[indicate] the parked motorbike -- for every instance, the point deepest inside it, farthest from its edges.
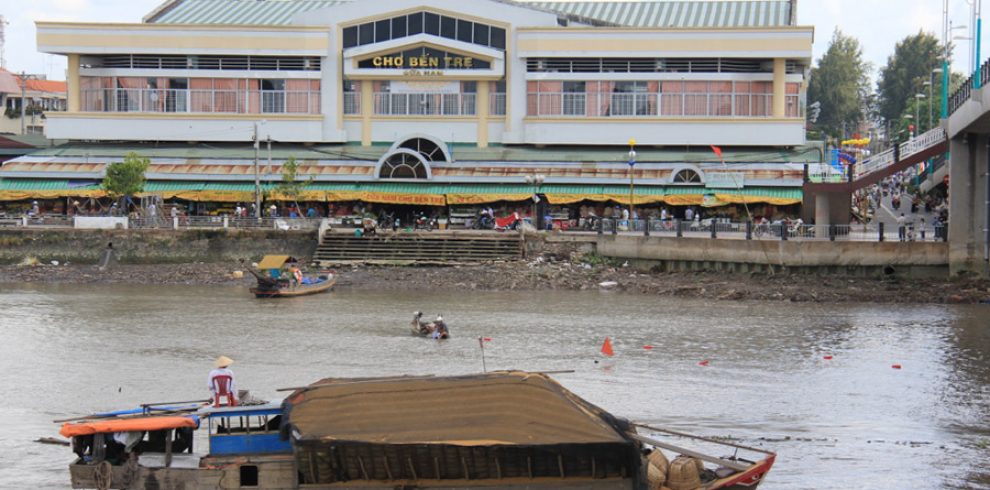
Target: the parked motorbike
(484, 222)
(425, 223)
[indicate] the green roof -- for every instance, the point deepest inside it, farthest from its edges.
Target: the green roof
(809, 153)
(44, 185)
(658, 14)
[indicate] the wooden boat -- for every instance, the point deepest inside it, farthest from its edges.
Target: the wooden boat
(420, 328)
(324, 436)
(275, 282)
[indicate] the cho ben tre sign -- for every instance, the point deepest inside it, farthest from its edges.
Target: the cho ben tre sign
(423, 62)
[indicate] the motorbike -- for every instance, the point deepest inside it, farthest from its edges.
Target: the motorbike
(425, 223)
(484, 222)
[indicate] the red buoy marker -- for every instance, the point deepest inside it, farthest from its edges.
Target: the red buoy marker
(607, 348)
(648, 347)
(487, 339)
(827, 358)
(896, 366)
(704, 363)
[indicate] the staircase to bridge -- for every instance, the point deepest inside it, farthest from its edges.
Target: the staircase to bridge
(435, 247)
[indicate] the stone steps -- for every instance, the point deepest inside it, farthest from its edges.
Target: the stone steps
(425, 247)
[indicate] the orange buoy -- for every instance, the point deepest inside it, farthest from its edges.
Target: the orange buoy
(607, 348)
(896, 366)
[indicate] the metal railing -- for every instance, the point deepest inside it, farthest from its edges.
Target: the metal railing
(880, 161)
(719, 228)
(590, 104)
(425, 104)
(201, 101)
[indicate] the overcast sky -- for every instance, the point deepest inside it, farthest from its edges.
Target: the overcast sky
(878, 24)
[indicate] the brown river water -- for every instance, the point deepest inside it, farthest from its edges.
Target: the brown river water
(849, 422)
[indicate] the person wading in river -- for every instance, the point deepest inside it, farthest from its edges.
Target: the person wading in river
(221, 381)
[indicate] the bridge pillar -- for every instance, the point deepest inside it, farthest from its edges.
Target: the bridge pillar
(967, 204)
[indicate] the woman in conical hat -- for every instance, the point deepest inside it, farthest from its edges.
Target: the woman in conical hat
(222, 362)
(221, 381)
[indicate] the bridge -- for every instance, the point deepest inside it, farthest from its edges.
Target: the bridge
(964, 137)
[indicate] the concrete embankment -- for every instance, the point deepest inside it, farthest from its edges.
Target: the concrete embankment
(152, 246)
(918, 259)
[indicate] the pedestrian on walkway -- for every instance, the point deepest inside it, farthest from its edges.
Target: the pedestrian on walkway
(901, 227)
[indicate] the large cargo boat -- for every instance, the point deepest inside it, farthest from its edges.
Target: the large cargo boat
(510, 430)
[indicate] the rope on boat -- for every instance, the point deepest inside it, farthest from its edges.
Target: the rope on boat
(103, 474)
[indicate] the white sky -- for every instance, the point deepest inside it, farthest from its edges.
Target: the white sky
(878, 24)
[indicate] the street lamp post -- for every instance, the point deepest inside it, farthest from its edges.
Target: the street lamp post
(917, 108)
(632, 163)
(257, 177)
(537, 181)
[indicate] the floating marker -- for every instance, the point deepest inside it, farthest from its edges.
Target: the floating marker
(896, 366)
(648, 347)
(827, 358)
(607, 348)
(704, 363)
(487, 339)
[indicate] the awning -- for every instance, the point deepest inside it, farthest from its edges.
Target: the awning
(416, 193)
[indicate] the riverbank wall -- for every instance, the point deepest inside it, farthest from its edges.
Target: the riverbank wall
(911, 259)
(153, 246)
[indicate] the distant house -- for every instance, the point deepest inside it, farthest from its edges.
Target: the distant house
(41, 95)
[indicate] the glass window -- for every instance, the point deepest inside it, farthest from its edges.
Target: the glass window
(415, 23)
(431, 24)
(383, 31)
(399, 27)
(469, 87)
(481, 34)
(366, 34)
(270, 84)
(350, 36)
(498, 38)
(448, 27)
(465, 31)
(574, 87)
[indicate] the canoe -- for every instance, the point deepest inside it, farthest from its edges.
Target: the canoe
(128, 425)
(290, 292)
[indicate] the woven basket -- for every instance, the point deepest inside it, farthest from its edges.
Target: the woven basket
(658, 459)
(683, 474)
(655, 478)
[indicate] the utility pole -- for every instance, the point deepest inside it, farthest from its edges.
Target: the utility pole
(268, 170)
(23, 99)
(257, 181)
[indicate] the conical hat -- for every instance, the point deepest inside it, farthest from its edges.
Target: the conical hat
(223, 361)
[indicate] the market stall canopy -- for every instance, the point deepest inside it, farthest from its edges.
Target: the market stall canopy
(502, 408)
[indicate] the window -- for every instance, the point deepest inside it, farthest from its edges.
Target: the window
(366, 34)
(574, 99)
(498, 38)
(465, 31)
(383, 31)
(350, 37)
(273, 96)
(481, 34)
(431, 24)
(399, 27)
(448, 27)
(415, 23)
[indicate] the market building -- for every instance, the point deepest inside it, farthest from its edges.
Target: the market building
(439, 103)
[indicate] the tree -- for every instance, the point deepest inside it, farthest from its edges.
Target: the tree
(904, 76)
(291, 187)
(126, 178)
(840, 83)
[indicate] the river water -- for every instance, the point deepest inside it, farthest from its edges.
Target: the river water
(849, 422)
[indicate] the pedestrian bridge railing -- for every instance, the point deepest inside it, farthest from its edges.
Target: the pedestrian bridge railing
(909, 148)
(747, 230)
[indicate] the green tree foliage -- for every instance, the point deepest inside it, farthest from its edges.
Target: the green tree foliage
(925, 106)
(907, 69)
(126, 178)
(291, 187)
(840, 83)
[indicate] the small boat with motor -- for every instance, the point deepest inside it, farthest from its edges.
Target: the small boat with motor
(279, 276)
(510, 430)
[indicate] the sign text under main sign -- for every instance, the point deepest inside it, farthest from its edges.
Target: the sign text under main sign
(445, 62)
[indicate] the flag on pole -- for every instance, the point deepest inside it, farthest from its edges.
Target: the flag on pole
(717, 150)
(607, 348)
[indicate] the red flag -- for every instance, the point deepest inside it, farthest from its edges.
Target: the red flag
(607, 348)
(717, 150)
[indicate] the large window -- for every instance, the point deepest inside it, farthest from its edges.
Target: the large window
(424, 22)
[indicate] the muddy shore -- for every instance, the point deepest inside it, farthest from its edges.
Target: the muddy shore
(540, 276)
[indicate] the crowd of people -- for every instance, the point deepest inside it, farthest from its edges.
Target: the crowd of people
(907, 203)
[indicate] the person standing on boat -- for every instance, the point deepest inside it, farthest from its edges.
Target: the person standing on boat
(226, 376)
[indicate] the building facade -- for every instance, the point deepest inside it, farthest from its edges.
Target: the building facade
(446, 92)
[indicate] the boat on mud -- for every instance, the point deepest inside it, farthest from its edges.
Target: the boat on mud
(508, 429)
(280, 277)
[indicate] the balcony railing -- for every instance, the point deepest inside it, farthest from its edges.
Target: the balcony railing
(425, 104)
(201, 101)
(583, 104)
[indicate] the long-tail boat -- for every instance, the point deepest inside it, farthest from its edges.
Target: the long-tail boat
(509, 429)
(279, 278)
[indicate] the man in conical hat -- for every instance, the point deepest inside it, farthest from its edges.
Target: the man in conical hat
(222, 368)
